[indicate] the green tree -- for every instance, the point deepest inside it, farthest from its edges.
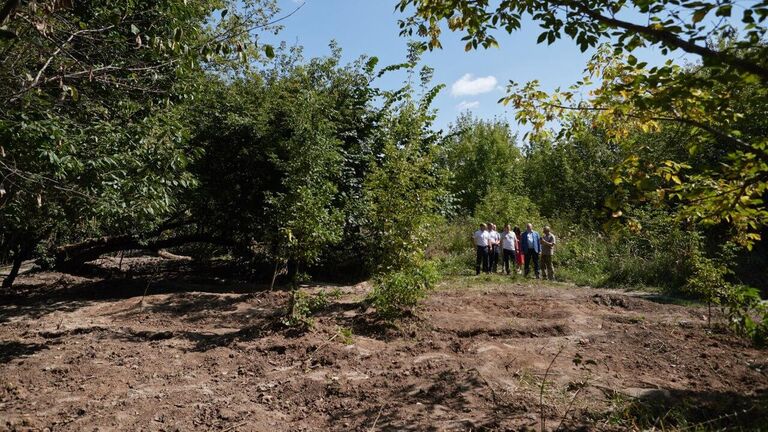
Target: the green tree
(570, 176)
(91, 141)
(481, 156)
(404, 193)
(284, 157)
(630, 95)
(402, 190)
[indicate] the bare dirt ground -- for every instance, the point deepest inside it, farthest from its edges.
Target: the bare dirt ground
(201, 353)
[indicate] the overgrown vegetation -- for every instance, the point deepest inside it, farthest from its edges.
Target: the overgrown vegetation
(163, 124)
(687, 143)
(564, 182)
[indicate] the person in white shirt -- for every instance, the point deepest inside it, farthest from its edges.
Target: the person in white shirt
(495, 249)
(508, 245)
(482, 241)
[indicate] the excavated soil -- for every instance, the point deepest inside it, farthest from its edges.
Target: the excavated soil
(201, 353)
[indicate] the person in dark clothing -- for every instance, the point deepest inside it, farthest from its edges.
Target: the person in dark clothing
(531, 247)
(481, 239)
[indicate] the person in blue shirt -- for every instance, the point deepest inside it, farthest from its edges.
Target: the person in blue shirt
(530, 245)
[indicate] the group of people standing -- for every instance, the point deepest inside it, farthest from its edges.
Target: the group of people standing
(515, 247)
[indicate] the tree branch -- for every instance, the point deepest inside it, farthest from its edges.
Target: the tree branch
(736, 142)
(673, 40)
(74, 255)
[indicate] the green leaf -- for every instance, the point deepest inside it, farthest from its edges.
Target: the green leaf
(700, 14)
(371, 63)
(724, 10)
(269, 51)
(134, 29)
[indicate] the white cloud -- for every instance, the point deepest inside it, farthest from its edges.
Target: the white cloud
(469, 85)
(467, 105)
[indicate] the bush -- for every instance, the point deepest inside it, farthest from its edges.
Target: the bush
(303, 305)
(451, 248)
(457, 264)
(396, 293)
(742, 306)
(658, 255)
(747, 314)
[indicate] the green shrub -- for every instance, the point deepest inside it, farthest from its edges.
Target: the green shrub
(457, 264)
(303, 306)
(742, 306)
(658, 255)
(581, 256)
(395, 293)
(451, 248)
(747, 314)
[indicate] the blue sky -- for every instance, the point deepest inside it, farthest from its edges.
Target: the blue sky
(474, 80)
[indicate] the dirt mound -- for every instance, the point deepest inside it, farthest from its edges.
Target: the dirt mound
(475, 356)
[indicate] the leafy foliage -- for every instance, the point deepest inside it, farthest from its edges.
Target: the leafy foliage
(721, 176)
(288, 129)
(397, 292)
(570, 177)
(480, 157)
(670, 26)
(742, 305)
(402, 192)
(304, 305)
(92, 142)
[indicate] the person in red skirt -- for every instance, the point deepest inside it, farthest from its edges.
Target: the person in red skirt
(520, 258)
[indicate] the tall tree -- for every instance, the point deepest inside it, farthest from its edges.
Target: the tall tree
(479, 156)
(285, 156)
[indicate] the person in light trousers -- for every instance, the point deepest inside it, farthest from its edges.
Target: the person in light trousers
(548, 242)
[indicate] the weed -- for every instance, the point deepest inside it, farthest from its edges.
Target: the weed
(303, 306)
(346, 335)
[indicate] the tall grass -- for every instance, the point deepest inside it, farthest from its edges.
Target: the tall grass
(659, 255)
(656, 256)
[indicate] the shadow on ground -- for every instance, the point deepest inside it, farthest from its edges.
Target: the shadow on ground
(694, 410)
(33, 297)
(10, 350)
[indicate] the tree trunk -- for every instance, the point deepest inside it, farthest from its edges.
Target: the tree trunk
(162, 253)
(72, 256)
(274, 275)
(18, 258)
